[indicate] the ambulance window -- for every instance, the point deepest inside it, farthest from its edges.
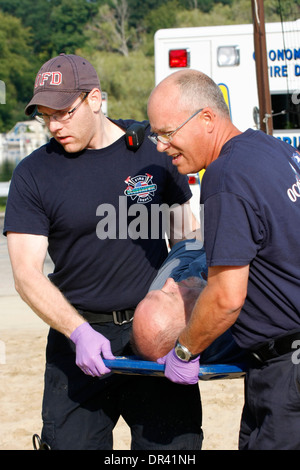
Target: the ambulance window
(286, 111)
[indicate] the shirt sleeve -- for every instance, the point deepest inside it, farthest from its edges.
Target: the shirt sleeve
(24, 210)
(186, 259)
(233, 230)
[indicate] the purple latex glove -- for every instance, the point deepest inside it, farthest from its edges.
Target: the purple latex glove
(179, 371)
(90, 345)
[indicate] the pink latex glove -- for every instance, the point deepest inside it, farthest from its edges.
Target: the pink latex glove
(90, 346)
(179, 371)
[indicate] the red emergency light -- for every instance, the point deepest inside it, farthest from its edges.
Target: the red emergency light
(192, 179)
(179, 58)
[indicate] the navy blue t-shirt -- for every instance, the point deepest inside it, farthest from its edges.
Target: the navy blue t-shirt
(97, 209)
(186, 259)
(251, 197)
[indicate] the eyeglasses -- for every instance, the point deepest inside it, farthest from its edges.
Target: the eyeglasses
(168, 136)
(60, 116)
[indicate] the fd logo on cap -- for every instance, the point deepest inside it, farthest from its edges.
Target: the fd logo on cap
(51, 78)
(140, 187)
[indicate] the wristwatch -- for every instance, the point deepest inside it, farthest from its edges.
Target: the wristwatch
(183, 353)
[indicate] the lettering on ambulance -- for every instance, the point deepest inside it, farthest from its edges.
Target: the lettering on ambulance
(278, 70)
(294, 141)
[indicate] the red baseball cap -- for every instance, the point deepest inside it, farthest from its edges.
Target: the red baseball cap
(61, 80)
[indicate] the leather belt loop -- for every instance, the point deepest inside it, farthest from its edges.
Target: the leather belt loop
(121, 317)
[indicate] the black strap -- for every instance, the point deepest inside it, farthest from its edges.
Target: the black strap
(276, 347)
(118, 317)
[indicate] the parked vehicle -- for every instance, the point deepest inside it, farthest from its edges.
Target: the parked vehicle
(226, 54)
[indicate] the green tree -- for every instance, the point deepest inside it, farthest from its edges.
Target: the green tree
(288, 9)
(128, 80)
(109, 30)
(140, 9)
(16, 69)
(56, 25)
(68, 19)
(238, 12)
(34, 14)
(164, 16)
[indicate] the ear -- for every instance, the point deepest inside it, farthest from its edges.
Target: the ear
(209, 118)
(95, 99)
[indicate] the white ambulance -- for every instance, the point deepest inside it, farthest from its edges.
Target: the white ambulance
(226, 54)
(104, 103)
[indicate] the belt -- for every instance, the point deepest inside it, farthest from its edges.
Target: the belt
(118, 317)
(275, 347)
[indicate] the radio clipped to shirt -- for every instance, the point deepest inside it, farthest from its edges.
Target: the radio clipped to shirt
(135, 134)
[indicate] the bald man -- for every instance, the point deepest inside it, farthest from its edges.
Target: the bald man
(166, 309)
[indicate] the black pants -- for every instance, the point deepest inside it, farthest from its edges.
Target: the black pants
(80, 412)
(271, 416)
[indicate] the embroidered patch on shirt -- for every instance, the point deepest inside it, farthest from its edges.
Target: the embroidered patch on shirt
(140, 187)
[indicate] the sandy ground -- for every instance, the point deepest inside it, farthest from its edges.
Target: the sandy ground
(22, 348)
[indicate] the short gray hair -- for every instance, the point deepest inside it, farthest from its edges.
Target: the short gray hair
(199, 90)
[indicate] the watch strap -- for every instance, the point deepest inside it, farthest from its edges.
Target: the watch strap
(189, 355)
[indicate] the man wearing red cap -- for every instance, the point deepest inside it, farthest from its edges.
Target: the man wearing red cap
(77, 197)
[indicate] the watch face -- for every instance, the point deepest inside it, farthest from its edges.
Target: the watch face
(181, 354)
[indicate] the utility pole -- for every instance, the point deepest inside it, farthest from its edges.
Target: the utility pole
(261, 61)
